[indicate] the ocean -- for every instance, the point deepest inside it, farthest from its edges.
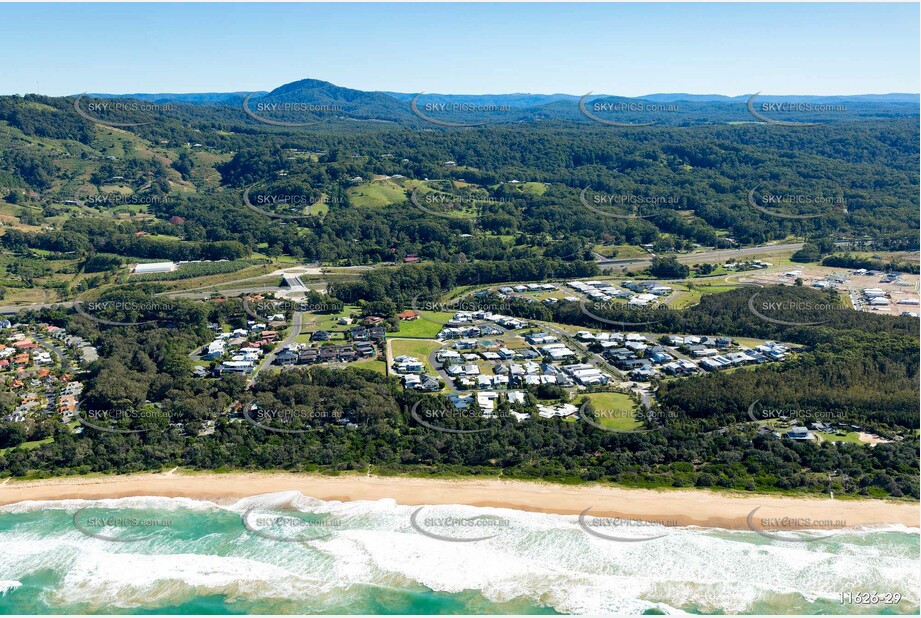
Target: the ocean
(286, 553)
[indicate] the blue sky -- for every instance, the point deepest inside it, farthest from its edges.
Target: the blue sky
(625, 49)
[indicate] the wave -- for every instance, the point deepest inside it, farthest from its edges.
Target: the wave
(134, 502)
(545, 559)
(6, 585)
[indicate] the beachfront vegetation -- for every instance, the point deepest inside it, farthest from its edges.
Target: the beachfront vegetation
(354, 418)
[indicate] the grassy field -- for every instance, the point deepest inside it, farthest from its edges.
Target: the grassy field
(748, 341)
(329, 321)
(830, 437)
(685, 299)
(374, 365)
(28, 446)
(620, 251)
(376, 194)
(420, 349)
(534, 188)
(714, 288)
(422, 328)
(614, 410)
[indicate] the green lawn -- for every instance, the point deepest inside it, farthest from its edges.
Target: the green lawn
(619, 252)
(830, 437)
(534, 188)
(329, 321)
(748, 342)
(419, 349)
(374, 365)
(424, 329)
(614, 410)
(714, 288)
(376, 194)
(28, 445)
(685, 299)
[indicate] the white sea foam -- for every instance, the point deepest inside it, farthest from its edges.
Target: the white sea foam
(8, 584)
(153, 503)
(546, 559)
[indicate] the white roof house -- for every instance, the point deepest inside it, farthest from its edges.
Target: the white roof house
(487, 401)
(563, 409)
(155, 267)
(557, 351)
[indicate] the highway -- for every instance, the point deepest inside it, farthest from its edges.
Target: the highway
(14, 309)
(715, 255)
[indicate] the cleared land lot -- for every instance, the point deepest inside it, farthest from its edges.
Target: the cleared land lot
(418, 348)
(905, 287)
(424, 328)
(614, 411)
(376, 193)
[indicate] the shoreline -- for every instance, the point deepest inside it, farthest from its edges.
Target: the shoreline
(680, 507)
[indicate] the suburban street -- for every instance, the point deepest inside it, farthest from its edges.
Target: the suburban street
(297, 323)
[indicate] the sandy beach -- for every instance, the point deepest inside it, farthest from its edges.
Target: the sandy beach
(678, 507)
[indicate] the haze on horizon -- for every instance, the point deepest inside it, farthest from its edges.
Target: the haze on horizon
(622, 49)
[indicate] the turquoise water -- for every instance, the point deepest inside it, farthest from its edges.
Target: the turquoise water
(286, 553)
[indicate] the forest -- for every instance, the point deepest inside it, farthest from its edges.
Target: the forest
(696, 180)
(858, 366)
